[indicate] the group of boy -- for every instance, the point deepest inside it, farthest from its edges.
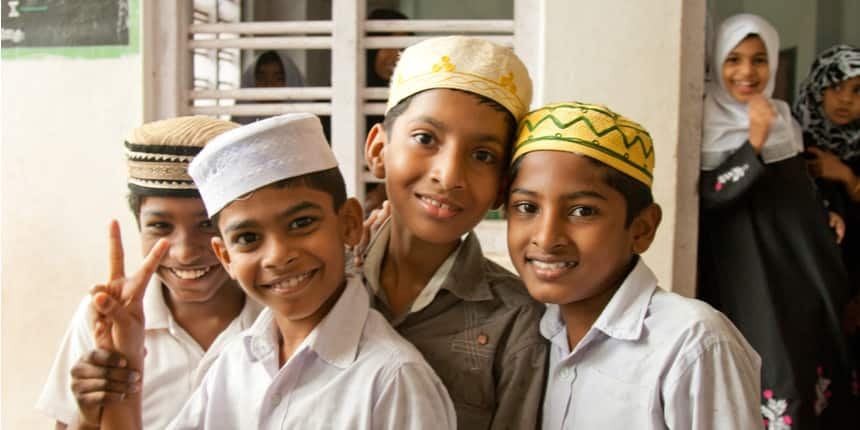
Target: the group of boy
(427, 333)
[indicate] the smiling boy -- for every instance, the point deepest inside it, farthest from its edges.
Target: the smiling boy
(442, 150)
(624, 353)
(318, 356)
(193, 308)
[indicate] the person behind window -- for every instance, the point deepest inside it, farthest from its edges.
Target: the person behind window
(270, 69)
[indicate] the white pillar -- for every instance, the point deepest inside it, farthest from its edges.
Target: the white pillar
(646, 61)
(347, 79)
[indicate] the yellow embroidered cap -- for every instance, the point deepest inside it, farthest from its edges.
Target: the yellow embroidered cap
(591, 130)
(463, 63)
(158, 153)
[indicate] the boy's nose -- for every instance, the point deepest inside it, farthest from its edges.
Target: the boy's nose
(447, 169)
(549, 233)
(278, 254)
(186, 250)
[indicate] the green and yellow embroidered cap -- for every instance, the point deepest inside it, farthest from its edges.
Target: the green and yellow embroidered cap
(463, 63)
(591, 130)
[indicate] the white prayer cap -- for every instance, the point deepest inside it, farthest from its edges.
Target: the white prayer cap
(258, 154)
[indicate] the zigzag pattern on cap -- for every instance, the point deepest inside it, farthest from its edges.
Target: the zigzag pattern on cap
(640, 159)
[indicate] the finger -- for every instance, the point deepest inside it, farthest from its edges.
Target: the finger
(814, 150)
(109, 308)
(84, 370)
(82, 387)
(117, 258)
(150, 264)
(104, 358)
(99, 398)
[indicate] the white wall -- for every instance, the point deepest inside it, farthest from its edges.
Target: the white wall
(63, 178)
(612, 52)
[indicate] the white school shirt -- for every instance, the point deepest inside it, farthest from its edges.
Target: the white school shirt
(652, 360)
(174, 365)
(353, 371)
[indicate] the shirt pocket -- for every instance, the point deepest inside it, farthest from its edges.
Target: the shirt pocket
(603, 400)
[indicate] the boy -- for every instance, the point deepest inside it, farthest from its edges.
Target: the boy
(193, 308)
(624, 353)
(318, 356)
(442, 150)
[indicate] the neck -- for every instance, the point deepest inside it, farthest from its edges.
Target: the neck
(292, 332)
(579, 316)
(204, 321)
(409, 264)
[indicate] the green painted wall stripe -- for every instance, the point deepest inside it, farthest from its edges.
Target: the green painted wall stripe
(85, 52)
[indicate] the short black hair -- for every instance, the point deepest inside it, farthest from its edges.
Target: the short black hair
(511, 122)
(636, 195)
(329, 181)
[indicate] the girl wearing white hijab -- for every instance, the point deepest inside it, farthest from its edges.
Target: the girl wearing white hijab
(767, 258)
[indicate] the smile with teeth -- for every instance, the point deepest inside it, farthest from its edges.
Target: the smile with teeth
(190, 274)
(744, 84)
(289, 284)
(559, 265)
(436, 203)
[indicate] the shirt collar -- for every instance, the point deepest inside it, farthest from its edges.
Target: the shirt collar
(335, 339)
(158, 315)
(623, 317)
(464, 279)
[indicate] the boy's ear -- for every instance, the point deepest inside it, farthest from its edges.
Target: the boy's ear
(644, 227)
(374, 150)
(351, 221)
(222, 254)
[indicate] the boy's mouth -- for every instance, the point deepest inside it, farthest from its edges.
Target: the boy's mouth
(292, 283)
(439, 207)
(191, 274)
(549, 270)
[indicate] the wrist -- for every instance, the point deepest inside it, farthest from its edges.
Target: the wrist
(86, 422)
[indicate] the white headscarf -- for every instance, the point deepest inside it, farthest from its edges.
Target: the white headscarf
(726, 119)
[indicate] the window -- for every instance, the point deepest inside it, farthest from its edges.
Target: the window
(198, 56)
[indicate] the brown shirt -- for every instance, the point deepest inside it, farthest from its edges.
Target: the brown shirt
(481, 336)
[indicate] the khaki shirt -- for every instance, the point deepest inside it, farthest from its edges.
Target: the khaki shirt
(480, 333)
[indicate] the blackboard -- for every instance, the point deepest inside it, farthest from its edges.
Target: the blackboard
(64, 23)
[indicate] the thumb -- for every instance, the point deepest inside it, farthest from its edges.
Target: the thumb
(813, 150)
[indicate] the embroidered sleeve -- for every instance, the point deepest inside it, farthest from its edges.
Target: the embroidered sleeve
(731, 179)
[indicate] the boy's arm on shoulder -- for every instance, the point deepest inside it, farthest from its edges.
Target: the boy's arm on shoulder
(521, 369)
(714, 386)
(414, 398)
(731, 179)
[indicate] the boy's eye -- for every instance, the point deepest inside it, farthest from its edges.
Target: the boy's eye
(525, 207)
(245, 238)
(583, 211)
(207, 225)
(484, 156)
(302, 222)
(422, 138)
(158, 226)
